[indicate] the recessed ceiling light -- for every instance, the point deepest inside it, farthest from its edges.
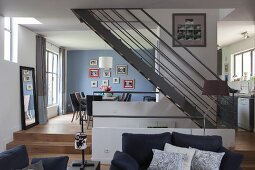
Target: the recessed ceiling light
(26, 21)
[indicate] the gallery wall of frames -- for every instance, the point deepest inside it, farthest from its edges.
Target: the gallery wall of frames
(84, 74)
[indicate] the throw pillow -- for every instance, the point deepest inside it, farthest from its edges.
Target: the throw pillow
(206, 160)
(230, 160)
(123, 161)
(207, 143)
(36, 166)
(166, 160)
(54, 163)
(189, 153)
(139, 146)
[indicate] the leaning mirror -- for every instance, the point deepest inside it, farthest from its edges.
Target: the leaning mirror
(29, 116)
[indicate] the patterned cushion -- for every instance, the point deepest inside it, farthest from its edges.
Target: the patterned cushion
(189, 153)
(206, 160)
(166, 160)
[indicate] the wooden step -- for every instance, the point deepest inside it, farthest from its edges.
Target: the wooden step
(43, 137)
(50, 147)
(248, 165)
(249, 155)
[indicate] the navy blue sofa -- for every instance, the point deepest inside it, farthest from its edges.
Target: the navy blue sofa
(17, 158)
(137, 149)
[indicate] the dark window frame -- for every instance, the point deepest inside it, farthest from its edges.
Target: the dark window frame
(252, 58)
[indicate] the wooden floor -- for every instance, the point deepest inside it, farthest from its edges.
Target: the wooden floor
(56, 138)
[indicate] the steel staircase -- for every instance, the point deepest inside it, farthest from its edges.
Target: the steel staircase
(176, 77)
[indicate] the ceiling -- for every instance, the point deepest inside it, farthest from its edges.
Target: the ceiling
(230, 31)
(61, 27)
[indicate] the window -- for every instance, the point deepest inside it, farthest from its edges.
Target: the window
(8, 38)
(52, 77)
(244, 63)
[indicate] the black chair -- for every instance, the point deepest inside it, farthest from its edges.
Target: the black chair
(129, 97)
(76, 106)
(126, 97)
(89, 100)
(123, 97)
(83, 95)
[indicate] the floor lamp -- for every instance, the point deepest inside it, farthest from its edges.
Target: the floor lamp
(81, 144)
(214, 88)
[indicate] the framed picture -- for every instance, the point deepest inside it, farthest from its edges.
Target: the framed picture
(226, 68)
(29, 87)
(105, 82)
(93, 84)
(27, 78)
(93, 62)
(93, 72)
(189, 29)
(116, 80)
(128, 84)
(107, 73)
(26, 72)
(121, 69)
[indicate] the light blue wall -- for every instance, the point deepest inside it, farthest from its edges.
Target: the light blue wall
(78, 80)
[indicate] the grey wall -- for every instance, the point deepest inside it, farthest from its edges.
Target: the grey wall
(78, 79)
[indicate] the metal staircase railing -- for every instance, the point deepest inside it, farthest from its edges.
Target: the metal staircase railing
(119, 31)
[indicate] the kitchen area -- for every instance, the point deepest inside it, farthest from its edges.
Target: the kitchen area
(241, 99)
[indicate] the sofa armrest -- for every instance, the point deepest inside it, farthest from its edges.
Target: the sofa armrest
(123, 161)
(230, 160)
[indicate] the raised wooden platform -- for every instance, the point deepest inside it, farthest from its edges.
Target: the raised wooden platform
(56, 138)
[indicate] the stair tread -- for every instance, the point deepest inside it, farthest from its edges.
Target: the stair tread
(248, 164)
(88, 132)
(44, 143)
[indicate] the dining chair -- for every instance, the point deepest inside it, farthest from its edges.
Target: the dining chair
(123, 96)
(80, 98)
(89, 100)
(126, 97)
(76, 106)
(129, 97)
(83, 95)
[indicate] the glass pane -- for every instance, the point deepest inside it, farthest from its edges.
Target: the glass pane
(7, 23)
(49, 78)
(253, 62)
(247, 65)
(46, 60)
(54, 84)
(50, 60)
(7, 45)
(238, 65)
(55, 65)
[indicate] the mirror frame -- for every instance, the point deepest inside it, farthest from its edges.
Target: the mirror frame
(23, 116)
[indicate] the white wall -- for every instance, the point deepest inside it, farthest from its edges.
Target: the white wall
(229, 51)
(10, 116)
(105, 141)
(208, 54)
(162, 108)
